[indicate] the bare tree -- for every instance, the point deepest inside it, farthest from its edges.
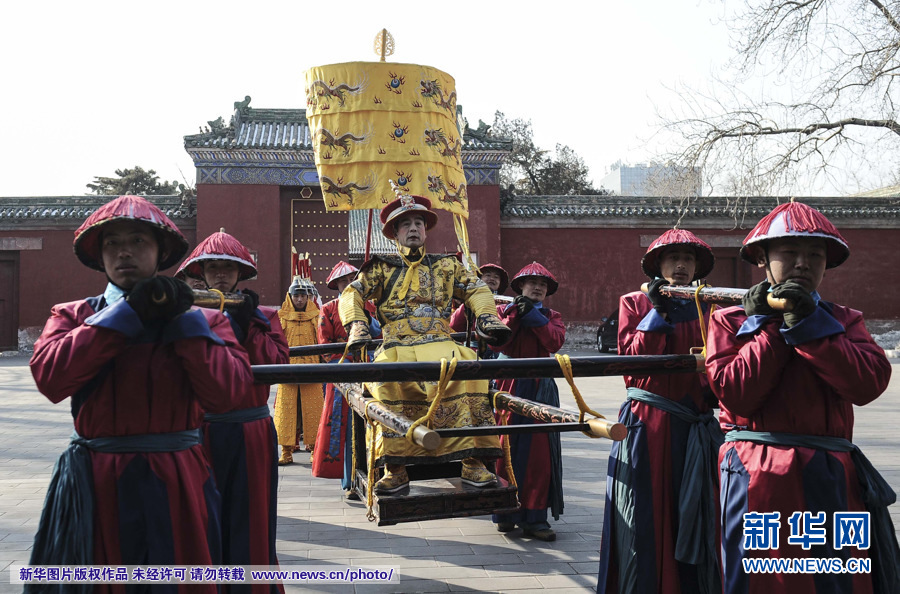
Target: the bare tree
(822, 110)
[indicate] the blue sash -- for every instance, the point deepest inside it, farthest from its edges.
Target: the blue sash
(876, 494)
(244, 415)
(65, 532)
(697, 500)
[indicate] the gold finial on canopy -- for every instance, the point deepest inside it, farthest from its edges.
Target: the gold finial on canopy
(384, 44)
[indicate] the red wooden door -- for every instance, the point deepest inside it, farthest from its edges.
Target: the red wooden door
(9, 301)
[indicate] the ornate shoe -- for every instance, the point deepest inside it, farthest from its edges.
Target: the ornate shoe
(287, 456)
(474, 473)
(392, 482)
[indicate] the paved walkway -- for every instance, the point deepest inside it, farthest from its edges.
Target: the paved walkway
(317, 528)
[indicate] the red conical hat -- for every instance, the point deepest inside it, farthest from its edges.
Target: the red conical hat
(795, 219)
(340, 269)
(127, 208)
(504, 276)
(534, 269)
(220, 246)
(705, 258)
(406, 205)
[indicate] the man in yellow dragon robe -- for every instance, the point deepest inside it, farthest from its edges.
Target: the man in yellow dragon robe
(414, 292)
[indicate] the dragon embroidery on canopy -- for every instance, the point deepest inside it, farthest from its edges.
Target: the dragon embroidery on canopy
(337, 140)
(436, 139)
(431, 89)
(339, 189)
(319, 88)
(438, 186)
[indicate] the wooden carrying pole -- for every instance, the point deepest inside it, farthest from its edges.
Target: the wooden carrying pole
(208, 299)
(548, 414)
(212, 300)
(397, 423)
(720, 295)
(430, 371)
(551, 419)
(336, 348)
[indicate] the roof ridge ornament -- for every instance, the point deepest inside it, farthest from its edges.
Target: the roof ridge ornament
(384, 44)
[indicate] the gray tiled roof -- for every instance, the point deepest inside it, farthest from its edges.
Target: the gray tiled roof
(77, 208)
(288, 129)
(706, 207)
(357, 226)
(258, 128)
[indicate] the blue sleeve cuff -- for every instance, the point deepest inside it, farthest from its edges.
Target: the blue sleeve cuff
(119, 317)
(374, 328)
(752, 325)
(191, 324)
(238, 333)
(654, 322)
(534, 319)
(261, 317)
(818, 324)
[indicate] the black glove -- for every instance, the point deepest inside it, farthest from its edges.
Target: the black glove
(660, 303)
(523, 305)
(160, 298)
(243, 313)
(491, 330)
(801, 299)
(755, 300)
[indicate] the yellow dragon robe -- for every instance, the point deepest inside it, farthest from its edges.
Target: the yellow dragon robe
(299, 330)
(416, 327)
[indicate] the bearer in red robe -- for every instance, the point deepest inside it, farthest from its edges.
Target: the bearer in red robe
(241, 442)
(537, 331)
(139, 366)
(787, 384)
(332, 457)
(659, 522)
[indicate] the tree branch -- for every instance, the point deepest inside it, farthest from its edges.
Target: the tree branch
(769, 130)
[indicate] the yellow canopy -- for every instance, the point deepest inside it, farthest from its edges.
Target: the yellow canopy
(372, 122)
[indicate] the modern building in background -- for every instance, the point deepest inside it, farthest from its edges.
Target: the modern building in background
(654, 179)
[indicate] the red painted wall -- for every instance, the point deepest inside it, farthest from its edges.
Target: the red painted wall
(596, 266)
(254, 215)
(54, 275)
(483, 226)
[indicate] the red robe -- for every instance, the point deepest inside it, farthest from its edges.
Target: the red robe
(328, 459)
(542, 334)
(804, 380)
(244, 456)
(156, 508)
(459, 321)
(645, 471)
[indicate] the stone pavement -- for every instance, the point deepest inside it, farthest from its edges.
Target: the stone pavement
(317, 528)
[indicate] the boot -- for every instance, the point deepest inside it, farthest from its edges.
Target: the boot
(394, 479)
(287, 456)
(474, 473)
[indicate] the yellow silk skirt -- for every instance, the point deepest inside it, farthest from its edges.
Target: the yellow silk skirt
(465, 404)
